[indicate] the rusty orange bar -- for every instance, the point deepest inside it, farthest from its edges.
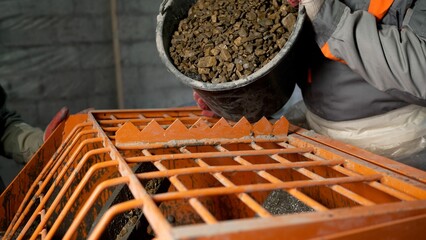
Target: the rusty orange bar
(111, 213)
(161, 226)
(27, 197)
(195, 203)
(244, 197)
(185, 143)
(235, 168)
(54, 184)
(386, 189)
(304, 225)
(143, 121)
(106, 184)
(42, 214)
(78, 189)
(148, 113)
(215, 154)
(314, 167)
(391, 191)
(261, 187)
(337, 188)
(322, 142)
(269, 177)
(392, 178)
(65, 187)
(44, 183)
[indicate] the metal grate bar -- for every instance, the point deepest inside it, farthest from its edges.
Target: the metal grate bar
(183, 143)
(260, 187)
(237, 164)
(111, 213)
(377, 185)
(118, 124)
(234, 168)
(20, 212)
(337, 188)
(67, 185)
(49, 193)
(48, 178)
(102, 186)
(244, 197)
(294, 192)
(162, 227)
(153, 113)
(195, 203)
(144, 121)
(77, 191)
(215, 154)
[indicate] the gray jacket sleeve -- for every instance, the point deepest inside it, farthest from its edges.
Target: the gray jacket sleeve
(391, 59)
(18, 140)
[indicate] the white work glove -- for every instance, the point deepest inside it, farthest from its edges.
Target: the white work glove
(312, 6)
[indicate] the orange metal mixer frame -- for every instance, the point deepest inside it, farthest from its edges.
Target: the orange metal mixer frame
(218, 176)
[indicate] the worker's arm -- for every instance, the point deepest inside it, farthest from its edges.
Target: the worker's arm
(19, 141)
(391, 59)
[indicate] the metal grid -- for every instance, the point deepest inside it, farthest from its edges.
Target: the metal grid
(218, 177)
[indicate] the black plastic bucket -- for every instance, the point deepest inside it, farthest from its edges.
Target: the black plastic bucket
(260, 94)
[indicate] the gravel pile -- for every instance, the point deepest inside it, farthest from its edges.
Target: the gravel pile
(226, 40)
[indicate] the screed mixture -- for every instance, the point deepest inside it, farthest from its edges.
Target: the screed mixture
(226, 40)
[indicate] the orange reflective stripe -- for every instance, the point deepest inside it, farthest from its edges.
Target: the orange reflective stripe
(379, 8)
(327, 53)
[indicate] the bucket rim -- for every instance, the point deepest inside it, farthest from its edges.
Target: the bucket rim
(207, 86)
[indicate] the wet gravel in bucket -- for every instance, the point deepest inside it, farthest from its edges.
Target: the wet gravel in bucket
(226, 40)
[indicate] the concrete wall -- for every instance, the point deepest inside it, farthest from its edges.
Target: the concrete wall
(56, 53)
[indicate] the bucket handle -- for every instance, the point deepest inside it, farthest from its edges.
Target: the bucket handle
(164, 5)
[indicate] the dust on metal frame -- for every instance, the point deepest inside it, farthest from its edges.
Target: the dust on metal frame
(211, 164)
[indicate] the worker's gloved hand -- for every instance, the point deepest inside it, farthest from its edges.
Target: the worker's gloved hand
(206, 111)
(60, 116)
(312, 6)
(293, 3)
